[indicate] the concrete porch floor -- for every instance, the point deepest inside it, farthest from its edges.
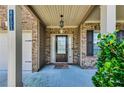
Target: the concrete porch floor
(73, 76)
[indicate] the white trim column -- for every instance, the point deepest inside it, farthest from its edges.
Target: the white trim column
(108, 18)
(15, 46)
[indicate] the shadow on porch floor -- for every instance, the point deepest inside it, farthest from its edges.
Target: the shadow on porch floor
(49, 76)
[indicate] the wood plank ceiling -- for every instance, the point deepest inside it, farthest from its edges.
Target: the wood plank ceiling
(50, 14)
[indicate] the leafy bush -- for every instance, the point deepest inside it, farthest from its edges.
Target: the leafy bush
(110, 61)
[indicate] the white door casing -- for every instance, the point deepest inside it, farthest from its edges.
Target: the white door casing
(53, 58)
(53, 48)
(27, 51)
(70, 48)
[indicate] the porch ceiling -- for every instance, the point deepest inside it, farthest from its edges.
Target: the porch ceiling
(50, 14)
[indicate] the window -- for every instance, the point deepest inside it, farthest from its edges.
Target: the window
(92, 40)
(95, 46)
(120, 34)
(61, 45)
(90, 43)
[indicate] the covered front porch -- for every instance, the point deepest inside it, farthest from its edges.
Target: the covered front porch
(73, 46)
(49, 76)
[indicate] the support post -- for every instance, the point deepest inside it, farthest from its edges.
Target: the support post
(108, 18)
(15, 46)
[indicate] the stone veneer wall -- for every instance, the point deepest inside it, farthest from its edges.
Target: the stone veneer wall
(76, 39)
(87, 61)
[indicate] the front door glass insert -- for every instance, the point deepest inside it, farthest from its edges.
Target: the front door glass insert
(61, 45)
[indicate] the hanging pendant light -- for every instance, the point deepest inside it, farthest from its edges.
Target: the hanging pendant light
(61, 21)
(61, 24)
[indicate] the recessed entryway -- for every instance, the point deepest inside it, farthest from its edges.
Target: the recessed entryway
(61, 48)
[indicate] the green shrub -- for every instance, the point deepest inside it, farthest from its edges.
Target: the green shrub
(110, 61)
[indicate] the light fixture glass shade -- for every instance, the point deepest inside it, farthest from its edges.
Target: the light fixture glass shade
(61, 23)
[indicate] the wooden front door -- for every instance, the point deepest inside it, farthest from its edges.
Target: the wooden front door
(61, 48)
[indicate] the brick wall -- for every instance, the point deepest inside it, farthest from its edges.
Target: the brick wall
(87, 61)
(27, 19)
(42, 46)
(76, 39)
(90, 61)
(3, 18)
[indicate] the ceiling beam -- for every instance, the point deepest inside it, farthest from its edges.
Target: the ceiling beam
(30, 8)
(87, 14)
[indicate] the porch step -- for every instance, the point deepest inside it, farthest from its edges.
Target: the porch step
(61, 65)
